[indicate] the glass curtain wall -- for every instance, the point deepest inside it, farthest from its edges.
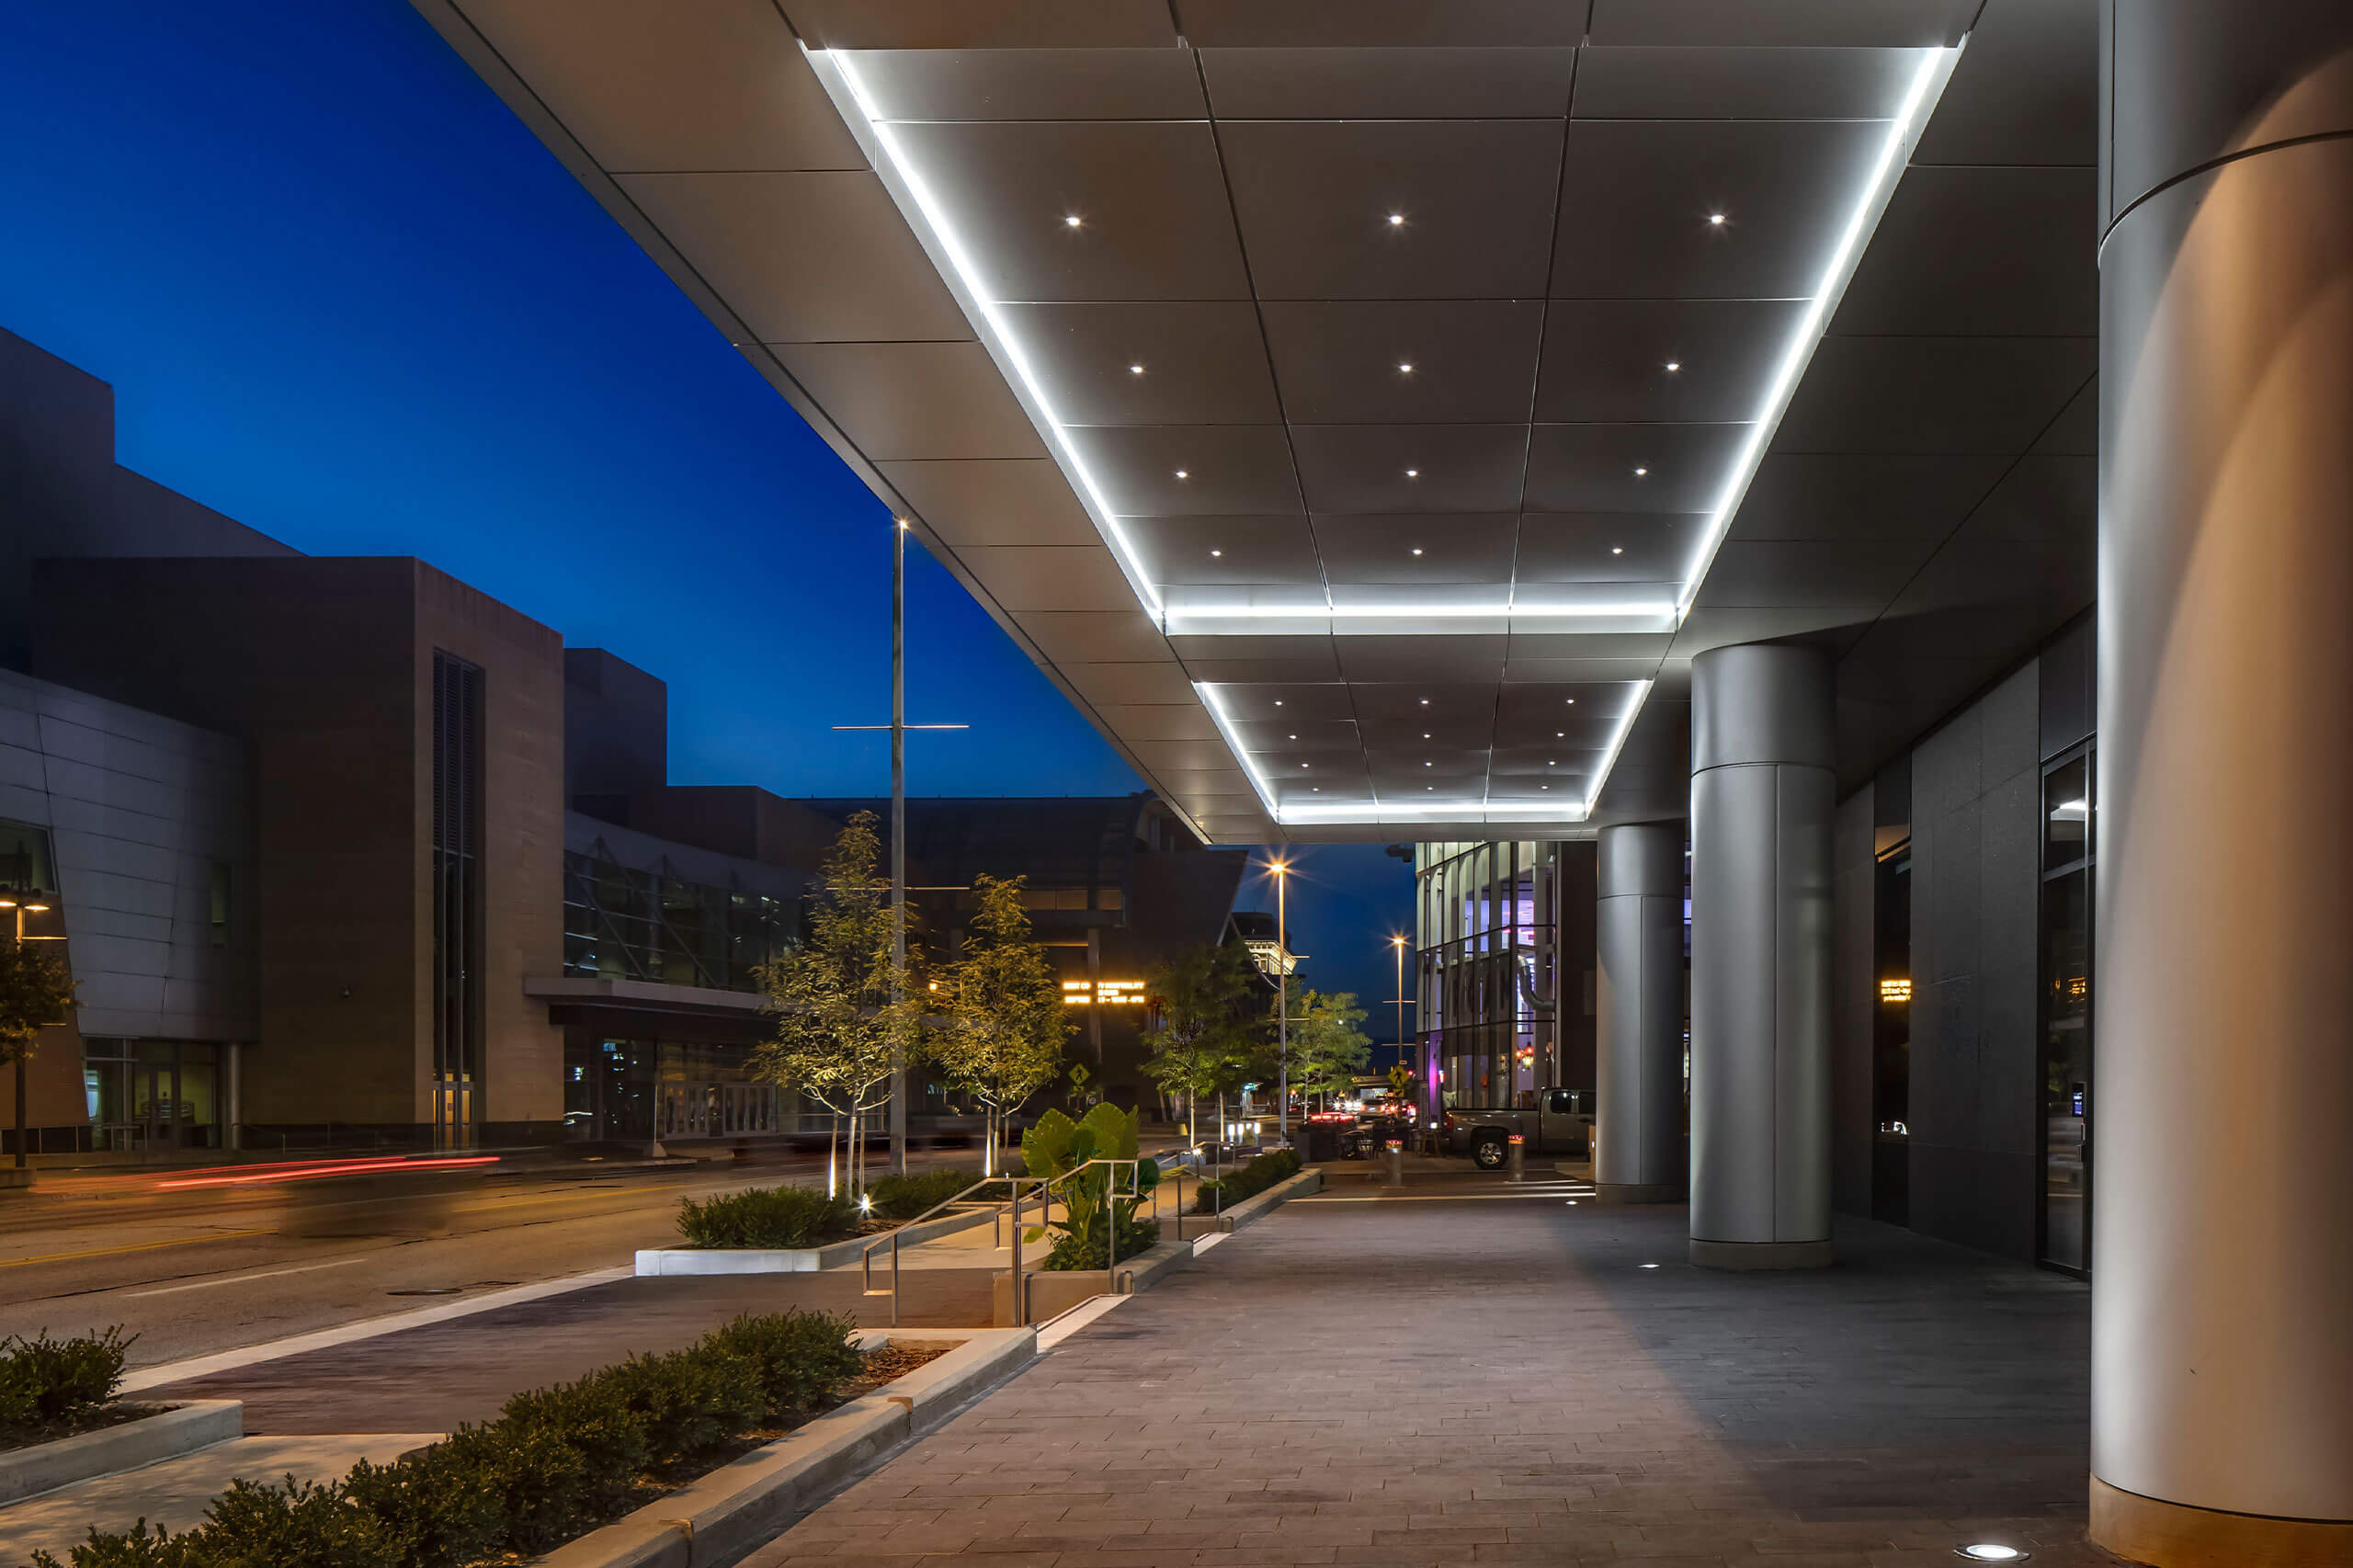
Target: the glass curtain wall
(2068, 853)
(625, 924)
(1487, 919)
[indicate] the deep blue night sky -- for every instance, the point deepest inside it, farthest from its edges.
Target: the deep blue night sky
(345, 297)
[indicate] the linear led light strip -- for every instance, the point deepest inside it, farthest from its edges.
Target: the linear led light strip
(1421, 811)
(1414, 612)
(1920, 98)
(1010, 350)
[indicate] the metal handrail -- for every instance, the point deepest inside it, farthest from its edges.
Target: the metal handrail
(1011, 1207)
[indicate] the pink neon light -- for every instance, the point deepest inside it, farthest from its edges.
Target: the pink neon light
(316, 1171)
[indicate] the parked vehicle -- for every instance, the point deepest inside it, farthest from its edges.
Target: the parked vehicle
(1549, 1121)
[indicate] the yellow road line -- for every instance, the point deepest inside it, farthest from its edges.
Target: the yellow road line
(136, 1246)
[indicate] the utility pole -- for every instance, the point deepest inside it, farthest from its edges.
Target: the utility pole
(898, 726)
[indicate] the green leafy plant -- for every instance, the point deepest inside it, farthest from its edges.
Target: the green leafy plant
(1093, 1196)
(43, 1381)
(905, 1197)
(1206, 1028)
(690, 1402)
(133, 1548)
(773, 1217)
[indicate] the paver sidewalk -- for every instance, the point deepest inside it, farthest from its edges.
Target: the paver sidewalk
(1473, 1374)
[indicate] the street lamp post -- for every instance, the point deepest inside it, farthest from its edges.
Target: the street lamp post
(898, 726)
(1282, 1004)
(20, 908)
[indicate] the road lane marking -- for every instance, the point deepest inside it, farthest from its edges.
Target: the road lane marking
(242, 1278)
(136, 1246)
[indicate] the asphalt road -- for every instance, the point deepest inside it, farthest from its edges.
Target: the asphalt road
(192, 1273)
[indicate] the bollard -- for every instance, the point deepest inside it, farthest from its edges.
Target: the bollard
(1396, 1163)
(1516, 1159)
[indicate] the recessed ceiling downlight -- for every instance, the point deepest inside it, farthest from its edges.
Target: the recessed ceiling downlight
(1073, 221)
(1987, 1551)
(1396, 219)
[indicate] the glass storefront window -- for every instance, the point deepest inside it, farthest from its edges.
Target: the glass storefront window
(2066, 1014)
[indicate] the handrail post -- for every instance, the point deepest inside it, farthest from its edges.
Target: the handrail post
(894, 1278)
(1020, 1306)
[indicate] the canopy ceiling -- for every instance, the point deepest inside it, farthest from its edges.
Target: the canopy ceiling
(1363, 410)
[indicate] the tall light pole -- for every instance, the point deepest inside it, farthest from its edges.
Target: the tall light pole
(1282, 1004)
(898, 726)
(1397, 944)
(21, 908)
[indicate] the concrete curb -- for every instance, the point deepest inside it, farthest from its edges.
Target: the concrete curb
(184, 1428)
(1053, 1291)
(746, 1503)
(1250, 1210)
(673, 1261)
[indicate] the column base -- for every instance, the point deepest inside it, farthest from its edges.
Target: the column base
(2174, 1535)
(1637, 1192)
(1762, 1255)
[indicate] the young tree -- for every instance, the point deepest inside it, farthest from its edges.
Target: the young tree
(837, 1024)
(1005, 1017)
(34, 991)
(1206, 1030)
(1327, 1049)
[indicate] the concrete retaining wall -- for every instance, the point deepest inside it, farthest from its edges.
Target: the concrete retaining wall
(799, 1260)
(184, 1428)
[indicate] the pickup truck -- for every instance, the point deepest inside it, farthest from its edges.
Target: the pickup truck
(1548, 1119)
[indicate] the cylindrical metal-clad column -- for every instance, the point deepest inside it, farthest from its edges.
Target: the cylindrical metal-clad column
(1638, 1067)
(2223, 1086)
(1761, 797)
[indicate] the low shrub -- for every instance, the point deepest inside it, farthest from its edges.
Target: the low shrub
(557, 1462)
(769, 1217)
(802, 1356)
(905, 1197)
(44, 1380)
(1248, 1182)
(690, 1402)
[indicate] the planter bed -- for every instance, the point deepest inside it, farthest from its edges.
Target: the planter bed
(656, 1261)
(742, 1503)
(1053, 1291)
(144, 1435)
(1250, 1210)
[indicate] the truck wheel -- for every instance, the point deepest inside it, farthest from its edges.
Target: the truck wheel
(1487, 1153)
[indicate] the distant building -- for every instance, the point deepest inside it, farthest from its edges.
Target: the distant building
(346, 851)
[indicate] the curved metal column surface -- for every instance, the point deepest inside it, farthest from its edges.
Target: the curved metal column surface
(2222, 1167)
(1762, 792)
(1638, 941)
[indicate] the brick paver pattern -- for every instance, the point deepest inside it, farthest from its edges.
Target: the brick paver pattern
(1458, 1380)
